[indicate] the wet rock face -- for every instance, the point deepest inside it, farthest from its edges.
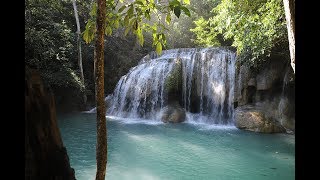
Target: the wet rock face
(252, 118)
(269, 91)
(173, 114)
(45, 155)
(286, 109)
(274, 71)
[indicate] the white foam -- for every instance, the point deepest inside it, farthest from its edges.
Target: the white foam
(202, 122)
(93, 110)
(199, 125)
(134, 120)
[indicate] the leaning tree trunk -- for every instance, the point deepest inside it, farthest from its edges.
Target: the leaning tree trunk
(101, 150)
(79, 50)
(289, 8)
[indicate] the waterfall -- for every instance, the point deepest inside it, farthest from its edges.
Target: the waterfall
(202, 79)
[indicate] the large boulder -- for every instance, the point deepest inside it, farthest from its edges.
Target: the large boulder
(253, 118)
(173, 114)
(45, 155)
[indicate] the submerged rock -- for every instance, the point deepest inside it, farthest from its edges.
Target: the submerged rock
(173, 114)
(253, 118)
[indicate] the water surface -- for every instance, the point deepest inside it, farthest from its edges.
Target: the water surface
(150, 150)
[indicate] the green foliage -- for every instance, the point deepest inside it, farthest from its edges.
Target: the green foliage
(50, 41)
(179, 34)
(206, 34)
(255, 26)
(136, 17)
(88, 34)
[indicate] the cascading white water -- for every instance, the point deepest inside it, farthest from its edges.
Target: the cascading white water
(207, 85)
(141, 91)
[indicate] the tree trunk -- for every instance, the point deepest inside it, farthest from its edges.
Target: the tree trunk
(101, 151)
(289, 7)
(79, 50)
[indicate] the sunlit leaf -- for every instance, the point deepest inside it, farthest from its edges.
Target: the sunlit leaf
(186, 1)
(108, 31)
(116, 23)
(168, 18)
(159, 48)
(140, 36)
(86, 36)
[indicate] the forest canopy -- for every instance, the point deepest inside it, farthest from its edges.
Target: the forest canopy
(257, 28)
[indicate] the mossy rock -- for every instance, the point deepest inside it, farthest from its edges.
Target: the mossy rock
(173, 82)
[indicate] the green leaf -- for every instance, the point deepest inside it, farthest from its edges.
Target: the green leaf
(186, 1)
(108, 31)
(159, 48)
(86, 36)
(186, 11)
(93, 11)
(163, 36)
(126, 20)
(127, 30)
(177, 11)
(174, 3)
(140, 37)
(130, 11)
(122, 8)
(168, 18)
(139, 2)
(116, 23)
(147, 14)
(135, 24)
(155, 39)
(109, 15)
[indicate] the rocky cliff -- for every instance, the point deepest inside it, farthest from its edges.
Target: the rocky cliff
(265, 99)
(45, 155)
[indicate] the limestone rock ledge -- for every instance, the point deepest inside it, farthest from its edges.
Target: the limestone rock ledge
(254, 119)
